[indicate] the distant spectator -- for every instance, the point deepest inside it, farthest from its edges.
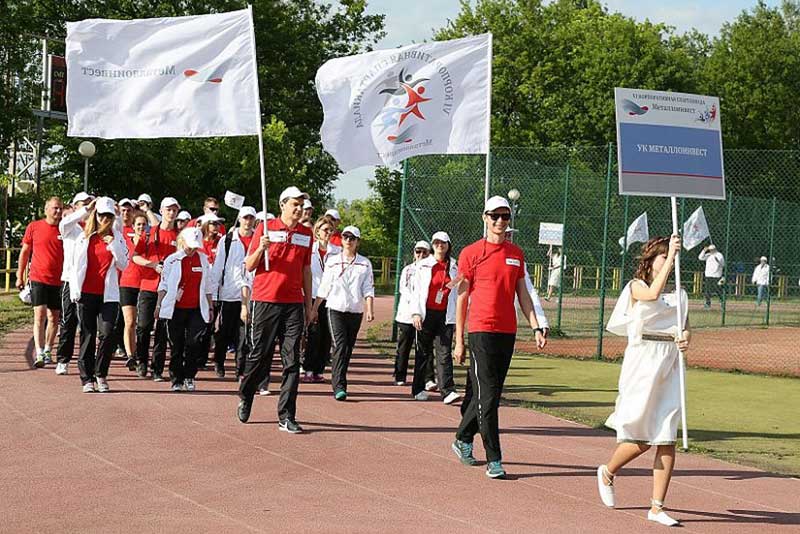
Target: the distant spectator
(761, 280)
(715, 265)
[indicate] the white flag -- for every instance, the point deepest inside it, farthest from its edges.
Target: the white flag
(162, 77)
(695, 229)
(385, 106)
(232, 200)
(638, 232)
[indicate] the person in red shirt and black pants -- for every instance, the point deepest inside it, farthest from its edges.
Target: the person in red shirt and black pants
(280, 305)
(491, 272)
(42, 245)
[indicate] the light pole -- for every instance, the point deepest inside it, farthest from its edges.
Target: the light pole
(87, 150)
(513, 196)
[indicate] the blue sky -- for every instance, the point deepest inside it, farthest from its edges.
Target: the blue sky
(415, 20)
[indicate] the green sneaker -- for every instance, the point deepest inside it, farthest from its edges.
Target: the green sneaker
(464, 452)
(39, 363)
(495, 470)
(48, 357)
(340, 395)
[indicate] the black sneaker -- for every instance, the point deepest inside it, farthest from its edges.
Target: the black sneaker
(141, 370)
(243, 412)
(220, 372)
(131, 364)
(287, 425)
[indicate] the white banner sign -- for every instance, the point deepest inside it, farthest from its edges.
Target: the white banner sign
(551, 234)
(162, 77)
(385, 106)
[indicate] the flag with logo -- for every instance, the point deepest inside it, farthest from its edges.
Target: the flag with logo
(385, 106)
(162, 77)
(695, 229)
(638, 232)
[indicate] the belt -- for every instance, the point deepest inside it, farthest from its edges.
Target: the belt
(656, 337)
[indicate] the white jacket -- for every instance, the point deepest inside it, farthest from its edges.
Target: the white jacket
(71, 231)
(346, 283)
(318, 265)
(761, 275)
(422, 283)
(406, 293)
(80, 261)
(171, 281)
(234, 270)
(715, 262)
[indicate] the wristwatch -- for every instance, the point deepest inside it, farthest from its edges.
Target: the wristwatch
(540, 330)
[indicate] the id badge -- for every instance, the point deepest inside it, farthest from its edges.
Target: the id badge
(439, 297)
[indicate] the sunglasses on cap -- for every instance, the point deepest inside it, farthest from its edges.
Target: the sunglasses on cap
(495, 216)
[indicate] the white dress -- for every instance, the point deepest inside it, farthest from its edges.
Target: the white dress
(647, 409)
(554, 278)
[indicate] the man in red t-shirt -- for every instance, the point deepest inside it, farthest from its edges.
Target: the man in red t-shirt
(210, 207)
(491, 273)
(42, 246)
(281, 305)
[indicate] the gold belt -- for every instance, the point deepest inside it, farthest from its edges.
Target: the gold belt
(656, 337)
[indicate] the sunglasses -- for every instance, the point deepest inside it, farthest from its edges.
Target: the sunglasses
(421, 251)
(504, 216)
(349, 237)
(210, 208)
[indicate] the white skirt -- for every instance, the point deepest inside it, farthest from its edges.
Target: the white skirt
(649, 403)
(554, 279)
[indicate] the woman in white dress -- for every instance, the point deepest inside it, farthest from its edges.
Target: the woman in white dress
(554, 276)
(648, 406)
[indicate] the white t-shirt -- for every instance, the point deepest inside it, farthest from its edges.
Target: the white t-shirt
(715, 263)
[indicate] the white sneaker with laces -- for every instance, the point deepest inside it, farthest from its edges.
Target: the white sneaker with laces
(189, 384)
(421, 396)
(88, 388)
(662, 518)
(430, 385)
(606, 491)
(451, 397)
(61, 368)
(102, 385)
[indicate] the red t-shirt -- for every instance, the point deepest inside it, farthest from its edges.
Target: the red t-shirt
(336, 238)
(98, 262)
(289, 253)
(440, 277)
(246, 240)
(159, 244)
(210, 248)
(492, 272)
(322, 252)
(191, 276)
(47, 252)
(132, 275)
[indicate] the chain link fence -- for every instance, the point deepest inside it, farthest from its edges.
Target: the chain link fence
(577, 187)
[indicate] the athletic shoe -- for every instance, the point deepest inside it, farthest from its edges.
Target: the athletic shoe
(306, 378)
(220, 372)
(264, 392)
(141, 370)
(340, 395)
(61, 368)
(662, 518)
(495, 470)
(317, 379)
(287, 425)
(464, 452)
(430, 385)
(400, 383)
(176, 387)
(421, 396)
(157, 377)
(189, 384)
(243, 412)
(231, 347)
(131, 364)
(39, 362)
(606, 491)
(119, 353)
(451, 397)
(102, 385)
(47, 357)
(88, 387)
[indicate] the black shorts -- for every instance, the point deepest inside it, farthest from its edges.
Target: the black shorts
(44, 294)
(128, 296)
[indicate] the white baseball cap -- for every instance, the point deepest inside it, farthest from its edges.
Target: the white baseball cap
(307, 204)
(166, 202)
(183, 216)
(247, 211)
(292, 192)
(334, 213)
(144, 197)
(262, 216)
(127, 201)
(83, 196)
(352, 230)
(440, 236)
(193, 237)
(209, 217)
(422, 244)
(496, 202)
(105, 205)
(763, 258)
(712, 247)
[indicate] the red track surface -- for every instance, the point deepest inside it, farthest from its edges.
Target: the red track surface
(142, 459)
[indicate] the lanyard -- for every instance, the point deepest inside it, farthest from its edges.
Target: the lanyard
(345, 267)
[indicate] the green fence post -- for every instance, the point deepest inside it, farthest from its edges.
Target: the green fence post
(624, 241)
(398, 267)
(563, 245)
(727, 258)
(601, 322)
(771, 257)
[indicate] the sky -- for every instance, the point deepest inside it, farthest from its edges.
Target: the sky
(413, 21)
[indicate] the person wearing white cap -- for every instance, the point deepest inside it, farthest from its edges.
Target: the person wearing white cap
(308, 212)
(318, 339)
(99, 254)
(230, 289)
(127, 210)
(71, 228)
(209, 224)
(434, 315)
(184, 301)
(715, 268)
(182, 220)
(761, 280)
(150, 254)
(210, 207)
(348, 289)
(406, 333)
(336, 236)
(490, 273)
(145, 204)
(280, 306)
(129, 282)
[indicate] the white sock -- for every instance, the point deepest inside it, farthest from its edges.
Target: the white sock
(47, 348)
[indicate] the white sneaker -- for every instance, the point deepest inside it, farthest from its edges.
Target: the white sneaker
(430, 385)
(451, 397)
(264, 392)
(102, 385)
(399, 383)
(662, 518)
(606, 492)
(421, 396)
(176, 388)
(88, 388)
(189, 384)
(61, 368)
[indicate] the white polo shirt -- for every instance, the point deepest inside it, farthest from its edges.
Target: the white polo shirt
(346, 282)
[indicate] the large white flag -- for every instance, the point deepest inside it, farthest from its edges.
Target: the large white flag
(638, 232)
(385, 106)
(695, 229)
(162, 77)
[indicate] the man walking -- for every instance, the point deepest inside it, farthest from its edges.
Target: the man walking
(761, 280)
(715, 265)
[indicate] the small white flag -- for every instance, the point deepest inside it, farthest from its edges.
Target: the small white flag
(638, 232)
(232, 200)
(385, 106)
(695, 229)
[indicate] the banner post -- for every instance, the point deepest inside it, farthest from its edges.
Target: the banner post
(260, 132)
(679, 313)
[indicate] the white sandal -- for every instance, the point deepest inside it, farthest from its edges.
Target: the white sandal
(606, 490)
(661, 517)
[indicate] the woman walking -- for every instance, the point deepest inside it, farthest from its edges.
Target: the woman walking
(648, 405)
(346, 286)
(406, 333)
(210, 225)
(98, 255)
(434, 316)
(184, 300)
(129, 282)
(554, 276)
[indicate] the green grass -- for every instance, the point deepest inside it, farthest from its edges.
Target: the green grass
(13, 313)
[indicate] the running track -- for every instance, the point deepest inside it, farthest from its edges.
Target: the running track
(142, 459)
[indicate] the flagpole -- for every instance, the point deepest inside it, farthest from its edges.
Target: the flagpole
(488, 170)
(679, 312)
(259, 133)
